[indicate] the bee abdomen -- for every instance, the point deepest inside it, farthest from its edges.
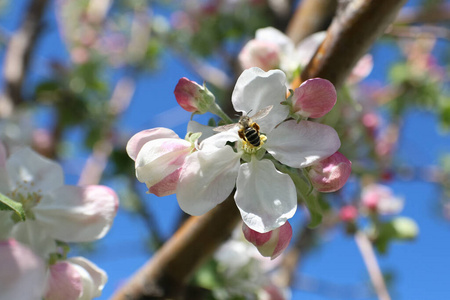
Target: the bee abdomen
(252, 136)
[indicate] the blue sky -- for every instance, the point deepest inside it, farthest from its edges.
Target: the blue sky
(421, 268)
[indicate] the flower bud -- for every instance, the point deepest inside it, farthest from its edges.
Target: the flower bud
(261, 54)
(330, 174)
(348, 213)
(270, 244)
(314, 98)
(193, 97)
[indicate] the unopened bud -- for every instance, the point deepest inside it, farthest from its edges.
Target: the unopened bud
(330, 174)
(348, 213)
(193, 97)
(405, 228)
(270, 244)
(314, 98)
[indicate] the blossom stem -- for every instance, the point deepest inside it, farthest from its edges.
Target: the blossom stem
(217, 110)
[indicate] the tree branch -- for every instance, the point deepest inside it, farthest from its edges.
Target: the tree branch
(311, 16)
(349, 37)
(18, 55)
(166, 274)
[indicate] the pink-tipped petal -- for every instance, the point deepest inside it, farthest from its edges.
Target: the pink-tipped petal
(77, 214)
(167, 186)
(93, 278)
(22, 273)
(138, 140)
(330, 174)
(64, 282)
(314, 98)
(269, 244)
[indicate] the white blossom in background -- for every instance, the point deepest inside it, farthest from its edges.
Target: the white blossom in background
(380, 198)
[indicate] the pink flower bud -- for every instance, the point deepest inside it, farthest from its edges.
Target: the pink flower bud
(314, 98)
(348, 213)
(261, 54)
(330, 174)
(22, 273)
(64, 282)
(270, 244)
(193, 97)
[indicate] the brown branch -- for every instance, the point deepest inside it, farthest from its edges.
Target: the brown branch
(165, 276)
(349, 37)
(18, 55)
(311, 16)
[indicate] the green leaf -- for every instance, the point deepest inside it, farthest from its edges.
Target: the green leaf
(7, 203)
(315, 210)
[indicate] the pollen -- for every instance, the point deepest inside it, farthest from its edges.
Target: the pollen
(249, 148)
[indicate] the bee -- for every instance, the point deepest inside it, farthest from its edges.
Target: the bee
(249, 129)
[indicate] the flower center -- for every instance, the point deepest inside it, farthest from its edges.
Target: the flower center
(24, 194)
(251, 149)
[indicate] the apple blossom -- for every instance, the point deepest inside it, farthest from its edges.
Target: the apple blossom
(159, 154)
(314, 98)
(22, 273)
(331, 173)
(270, 49)
(61, 212)
(75, 279)
(380, 199)
(270, 244)
(265, 197)
(193, 97)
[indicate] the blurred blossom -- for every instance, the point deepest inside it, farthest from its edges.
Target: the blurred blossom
(380, 199)
(348, 213)
(330, 174)
(22, 273)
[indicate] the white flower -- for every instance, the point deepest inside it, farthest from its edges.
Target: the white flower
(54, 211)
(265, 197)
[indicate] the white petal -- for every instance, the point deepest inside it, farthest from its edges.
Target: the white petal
(159, 158)
(300, 145)
(206, 130)
(22, 273)
(33, 234)
(306, 49)
(27, 169)
(255, 90)
(138, 140)
(94, 278)
(77, 214)
(220, 139)
(206, 179)
(265, 197)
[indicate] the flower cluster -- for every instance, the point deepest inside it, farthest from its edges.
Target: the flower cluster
(262, 156)
(33, 247)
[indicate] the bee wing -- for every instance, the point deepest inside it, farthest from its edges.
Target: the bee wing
(225, 127)
(262, 113)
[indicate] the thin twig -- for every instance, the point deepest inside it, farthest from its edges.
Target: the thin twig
(370, 260)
